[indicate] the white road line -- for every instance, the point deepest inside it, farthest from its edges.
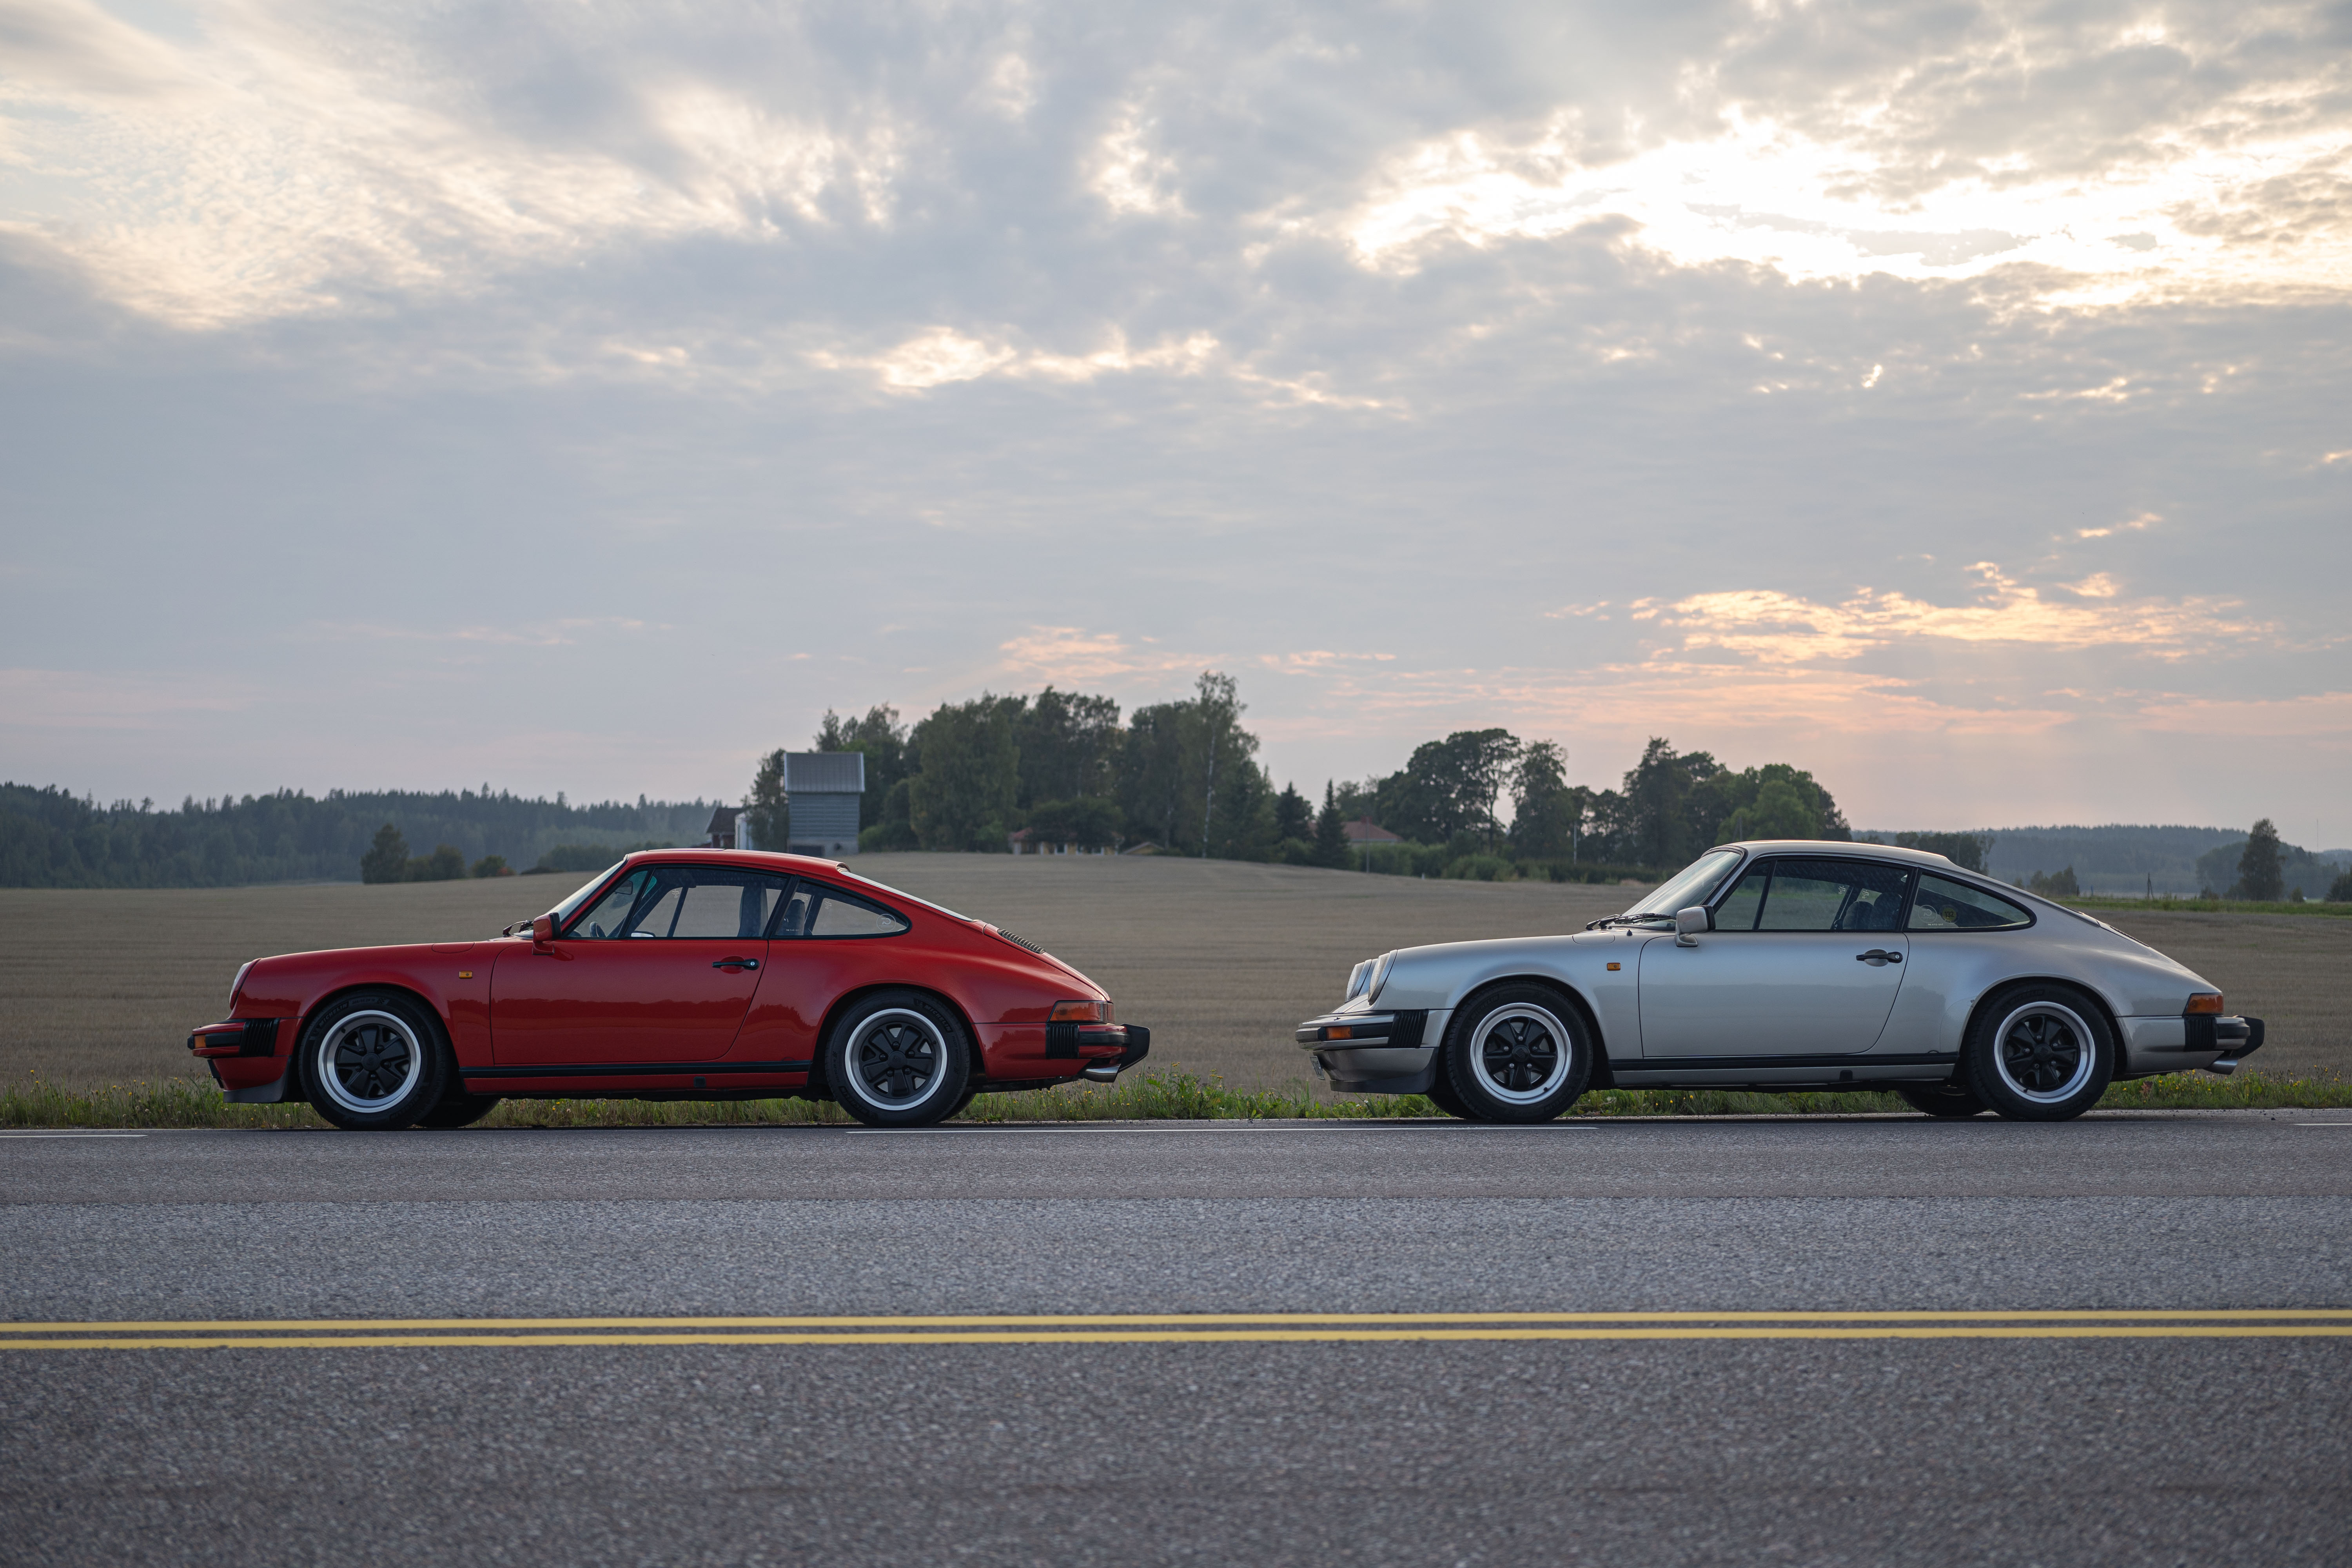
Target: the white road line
(72, 1135)
(2324, 1124)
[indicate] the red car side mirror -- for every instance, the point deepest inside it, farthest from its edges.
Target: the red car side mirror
(542, 930)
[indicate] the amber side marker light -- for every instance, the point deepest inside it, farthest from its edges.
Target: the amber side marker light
(1081, 1013)
(2204, 1002)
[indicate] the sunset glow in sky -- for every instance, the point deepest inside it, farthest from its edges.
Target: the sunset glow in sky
(1951, 399)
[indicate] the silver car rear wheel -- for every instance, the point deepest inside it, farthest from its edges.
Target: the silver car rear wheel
(2039, 1052)
(2044, 1053)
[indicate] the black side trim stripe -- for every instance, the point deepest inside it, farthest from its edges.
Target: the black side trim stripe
(638, 1069)
(1731, 1064)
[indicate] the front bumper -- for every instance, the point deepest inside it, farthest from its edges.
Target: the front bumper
(229, 1048)
(1373, 1052)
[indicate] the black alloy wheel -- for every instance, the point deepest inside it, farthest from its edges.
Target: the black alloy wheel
(375, 1061)
(899, 1058)
(2039, 1053)
(1518, 1053)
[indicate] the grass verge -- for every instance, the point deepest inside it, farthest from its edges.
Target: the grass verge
(2169, 905)
(1155, 1097)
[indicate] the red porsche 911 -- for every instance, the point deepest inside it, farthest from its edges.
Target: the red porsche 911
(676, 975)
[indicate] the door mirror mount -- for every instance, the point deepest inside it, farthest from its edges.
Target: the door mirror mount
(1689, 923)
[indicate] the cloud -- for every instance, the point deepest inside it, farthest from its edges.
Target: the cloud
(1773, 628)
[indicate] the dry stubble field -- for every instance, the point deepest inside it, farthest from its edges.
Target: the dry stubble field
(1219, 958)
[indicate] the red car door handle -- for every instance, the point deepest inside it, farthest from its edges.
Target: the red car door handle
(734, 964)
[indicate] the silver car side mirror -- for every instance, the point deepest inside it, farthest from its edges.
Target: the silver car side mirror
(1689, 923)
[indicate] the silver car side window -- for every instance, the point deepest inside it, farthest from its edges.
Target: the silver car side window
(1944, 905)
(1739, 912)
(1833, 895)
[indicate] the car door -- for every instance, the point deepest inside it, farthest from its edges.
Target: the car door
(1805, 961)
(659, 969)
(825, 947)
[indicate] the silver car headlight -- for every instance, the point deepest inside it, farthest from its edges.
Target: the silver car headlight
(238, 984)
(1366, 978)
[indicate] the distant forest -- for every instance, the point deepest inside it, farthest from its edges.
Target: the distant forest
(49, 839)
(2127, 861)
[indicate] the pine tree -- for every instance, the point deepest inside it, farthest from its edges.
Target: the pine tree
(1293, 817)
(387, 859)
(1330, 832)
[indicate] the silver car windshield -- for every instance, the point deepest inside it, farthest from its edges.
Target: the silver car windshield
(1689, 886)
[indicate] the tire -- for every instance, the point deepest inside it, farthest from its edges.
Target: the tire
(1518, 1054)
(459, 1110)
(373, 1061)
(1949, 1102)
(2039, 1053)
(1441, 1095)
(899, 1058)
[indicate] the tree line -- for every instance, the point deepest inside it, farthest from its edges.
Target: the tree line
(1183, 778)
(51, 839)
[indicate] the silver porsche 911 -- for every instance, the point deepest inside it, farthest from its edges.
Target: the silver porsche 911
(1780, 966)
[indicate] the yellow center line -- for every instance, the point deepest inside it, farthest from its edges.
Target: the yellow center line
(1192, 1336)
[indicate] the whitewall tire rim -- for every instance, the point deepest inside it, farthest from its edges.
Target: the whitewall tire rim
(896, 1061)
(1521, 1054)
(370, 1061)
(2044, 1052)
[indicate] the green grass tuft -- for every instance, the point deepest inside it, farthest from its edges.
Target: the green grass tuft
(1154, 1097)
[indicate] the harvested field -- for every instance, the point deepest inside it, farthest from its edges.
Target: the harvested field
(1219, 958)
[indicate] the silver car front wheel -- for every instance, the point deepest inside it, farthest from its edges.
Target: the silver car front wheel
(1518, 1054)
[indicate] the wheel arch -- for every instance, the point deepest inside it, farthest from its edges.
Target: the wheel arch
(423, 1004)
(1993, 993)
(1577, 1002)
(848, 999)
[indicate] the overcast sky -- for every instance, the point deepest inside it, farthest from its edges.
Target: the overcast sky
(1951, 399)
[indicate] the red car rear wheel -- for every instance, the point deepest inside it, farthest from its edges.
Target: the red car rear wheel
(899, 1058)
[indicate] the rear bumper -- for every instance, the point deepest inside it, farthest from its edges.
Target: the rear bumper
(2179, 1043)
(1134, 1042)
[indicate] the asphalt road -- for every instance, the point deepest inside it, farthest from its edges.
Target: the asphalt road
(2192, 1449)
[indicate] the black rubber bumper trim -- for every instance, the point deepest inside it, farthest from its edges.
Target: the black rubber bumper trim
(1063, 1039)
(637, 1069)
(1403, 1027)
(257, 1039)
